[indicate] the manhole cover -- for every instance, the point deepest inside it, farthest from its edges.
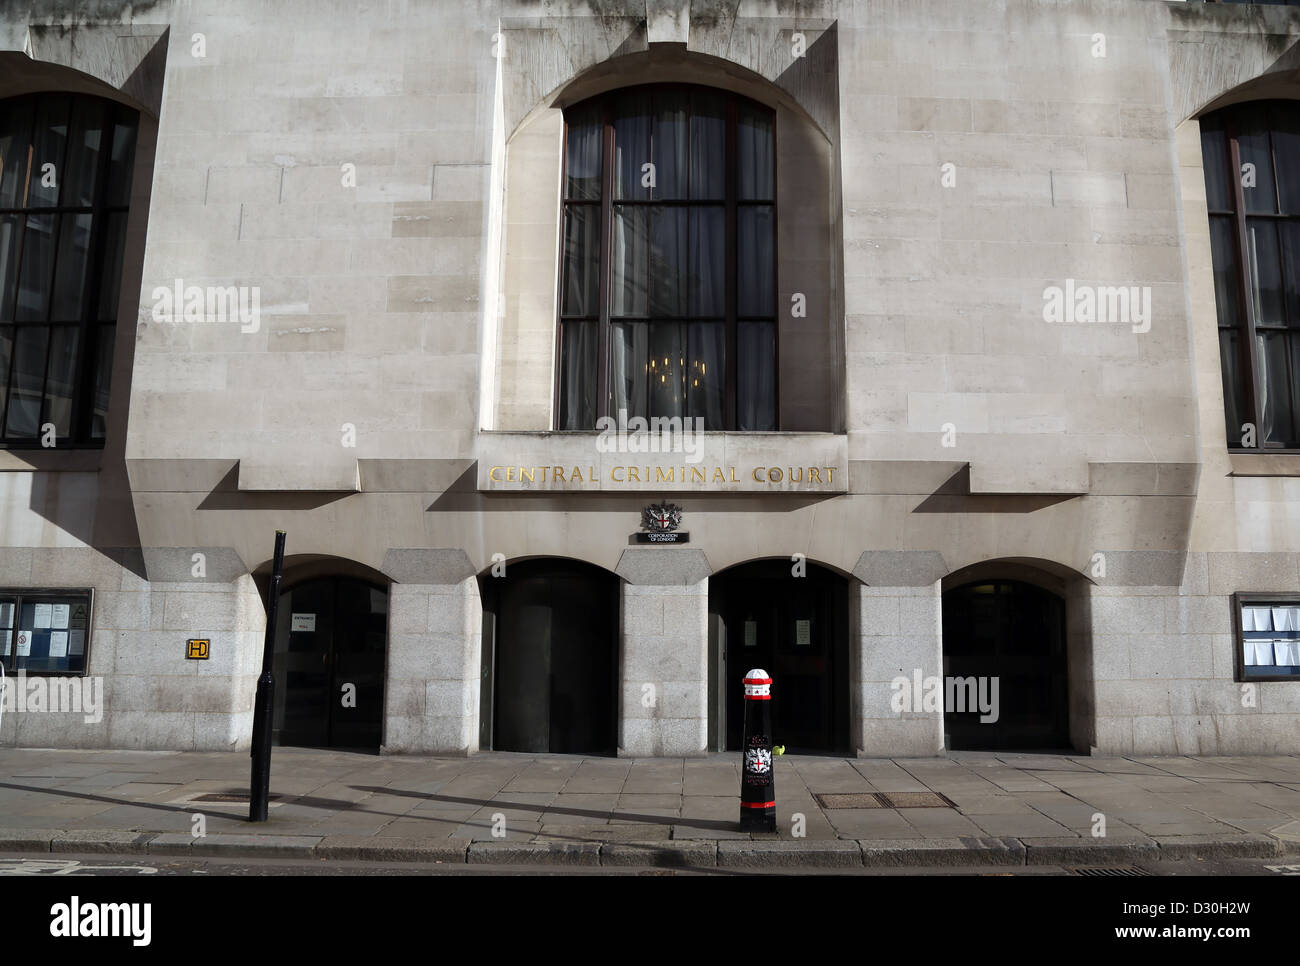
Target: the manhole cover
(849, 800)
(916, 800)
(1123, 870)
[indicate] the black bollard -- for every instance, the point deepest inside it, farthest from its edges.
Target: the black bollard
(757, 787)
(259, 783)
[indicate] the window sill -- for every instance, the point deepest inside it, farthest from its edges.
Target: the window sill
(1270, 463)
(51, 460)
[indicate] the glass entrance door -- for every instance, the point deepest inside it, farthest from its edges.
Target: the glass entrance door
(330, 648)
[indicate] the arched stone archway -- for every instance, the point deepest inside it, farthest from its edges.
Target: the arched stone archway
(550, 658)
(1005, 669)
(330, 659)
(795, 627)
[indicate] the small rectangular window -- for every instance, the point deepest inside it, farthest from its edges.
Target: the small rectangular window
(1267, 636)
(45, 631)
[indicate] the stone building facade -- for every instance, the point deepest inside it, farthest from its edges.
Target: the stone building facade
(927, 455)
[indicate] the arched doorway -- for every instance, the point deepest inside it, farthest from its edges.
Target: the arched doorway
(796, 629)
(330, 648)
(1009, 636)
(550, 658)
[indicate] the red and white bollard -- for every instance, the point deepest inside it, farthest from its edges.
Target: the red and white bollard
(757, 787)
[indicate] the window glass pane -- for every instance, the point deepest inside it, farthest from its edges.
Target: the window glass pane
(630, 256)
(1234, 390)
(35, 274)
(122, 163)
(754, 145)
(103, 381)
(1275, 389)
(667, 369)
(23, 417)
(52, 633)
(1223, 249)
(582, 163)
(706, 372)
(70, 274)
(7, 606)
(15, 132)
(47, 172)
(6, 356)
(668, 288)
(1264, 261)
(756, 376)
(578, 375)
(581, 260)
(629, 354)
(1214, 155)
(84, 147)
(1286, 149)
(1253, 145)
(754, 260)
(708, 146)
(631, 147)
(61, 378)
(110, 284)
(670, 145)
(1290, 235)
(708, 287)
(9, 232)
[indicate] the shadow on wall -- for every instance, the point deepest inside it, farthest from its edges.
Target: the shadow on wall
(86, 493)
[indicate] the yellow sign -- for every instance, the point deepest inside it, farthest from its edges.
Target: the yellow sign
(198, 649)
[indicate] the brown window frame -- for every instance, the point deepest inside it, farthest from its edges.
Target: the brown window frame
(1247, 328)
(91, 327)
(607, 101)
(1239, 657)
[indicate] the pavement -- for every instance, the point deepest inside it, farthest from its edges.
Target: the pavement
(500, 808)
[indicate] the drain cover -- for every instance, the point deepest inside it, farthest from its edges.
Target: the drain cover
(850, 800)
(916, 800)
(1112, 870)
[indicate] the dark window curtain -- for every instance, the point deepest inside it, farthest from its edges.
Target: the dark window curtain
(628, 364)
(578, 341)
(756, 376)
(667, 301)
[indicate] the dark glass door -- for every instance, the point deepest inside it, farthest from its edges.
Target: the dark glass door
(796, 629)
(553, 658)
(1015, 633)
(331, 639)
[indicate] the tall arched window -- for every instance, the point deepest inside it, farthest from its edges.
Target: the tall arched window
(1252, 182)
(668, 275)
(65, 183)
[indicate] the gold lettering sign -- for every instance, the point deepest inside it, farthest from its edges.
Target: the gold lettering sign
(585, 477)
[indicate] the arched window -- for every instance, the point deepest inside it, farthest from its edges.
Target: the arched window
(65, 182)
(1252, 183)
(668, 276)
